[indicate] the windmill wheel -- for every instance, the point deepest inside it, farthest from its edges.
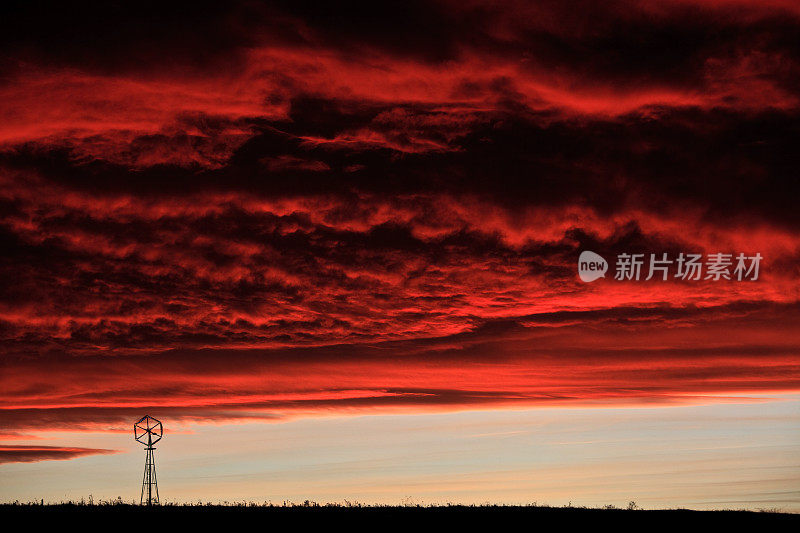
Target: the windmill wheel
(148, 430)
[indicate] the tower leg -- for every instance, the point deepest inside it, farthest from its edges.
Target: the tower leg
(149, 483)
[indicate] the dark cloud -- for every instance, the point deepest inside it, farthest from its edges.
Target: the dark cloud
(723, 162)
(31, 454)
(123, 35)
(641, 44)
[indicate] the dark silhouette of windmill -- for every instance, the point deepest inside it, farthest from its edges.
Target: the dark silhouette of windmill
(148, 431)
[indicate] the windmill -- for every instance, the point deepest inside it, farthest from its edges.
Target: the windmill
(148, 431)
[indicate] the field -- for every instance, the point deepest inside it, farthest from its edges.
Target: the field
(97, 516)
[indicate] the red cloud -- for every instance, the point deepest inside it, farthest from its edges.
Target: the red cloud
(31, 454)
(324, 219)
(622, 356)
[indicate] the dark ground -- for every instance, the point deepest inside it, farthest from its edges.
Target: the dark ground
(494, 517)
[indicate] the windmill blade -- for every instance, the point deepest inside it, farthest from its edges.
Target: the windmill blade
(148, 425)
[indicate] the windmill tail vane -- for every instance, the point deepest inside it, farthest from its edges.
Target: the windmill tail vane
(148, 431)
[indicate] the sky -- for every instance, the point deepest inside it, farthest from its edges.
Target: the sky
(334, 249)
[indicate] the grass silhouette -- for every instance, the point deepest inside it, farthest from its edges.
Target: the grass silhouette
(110, 513)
